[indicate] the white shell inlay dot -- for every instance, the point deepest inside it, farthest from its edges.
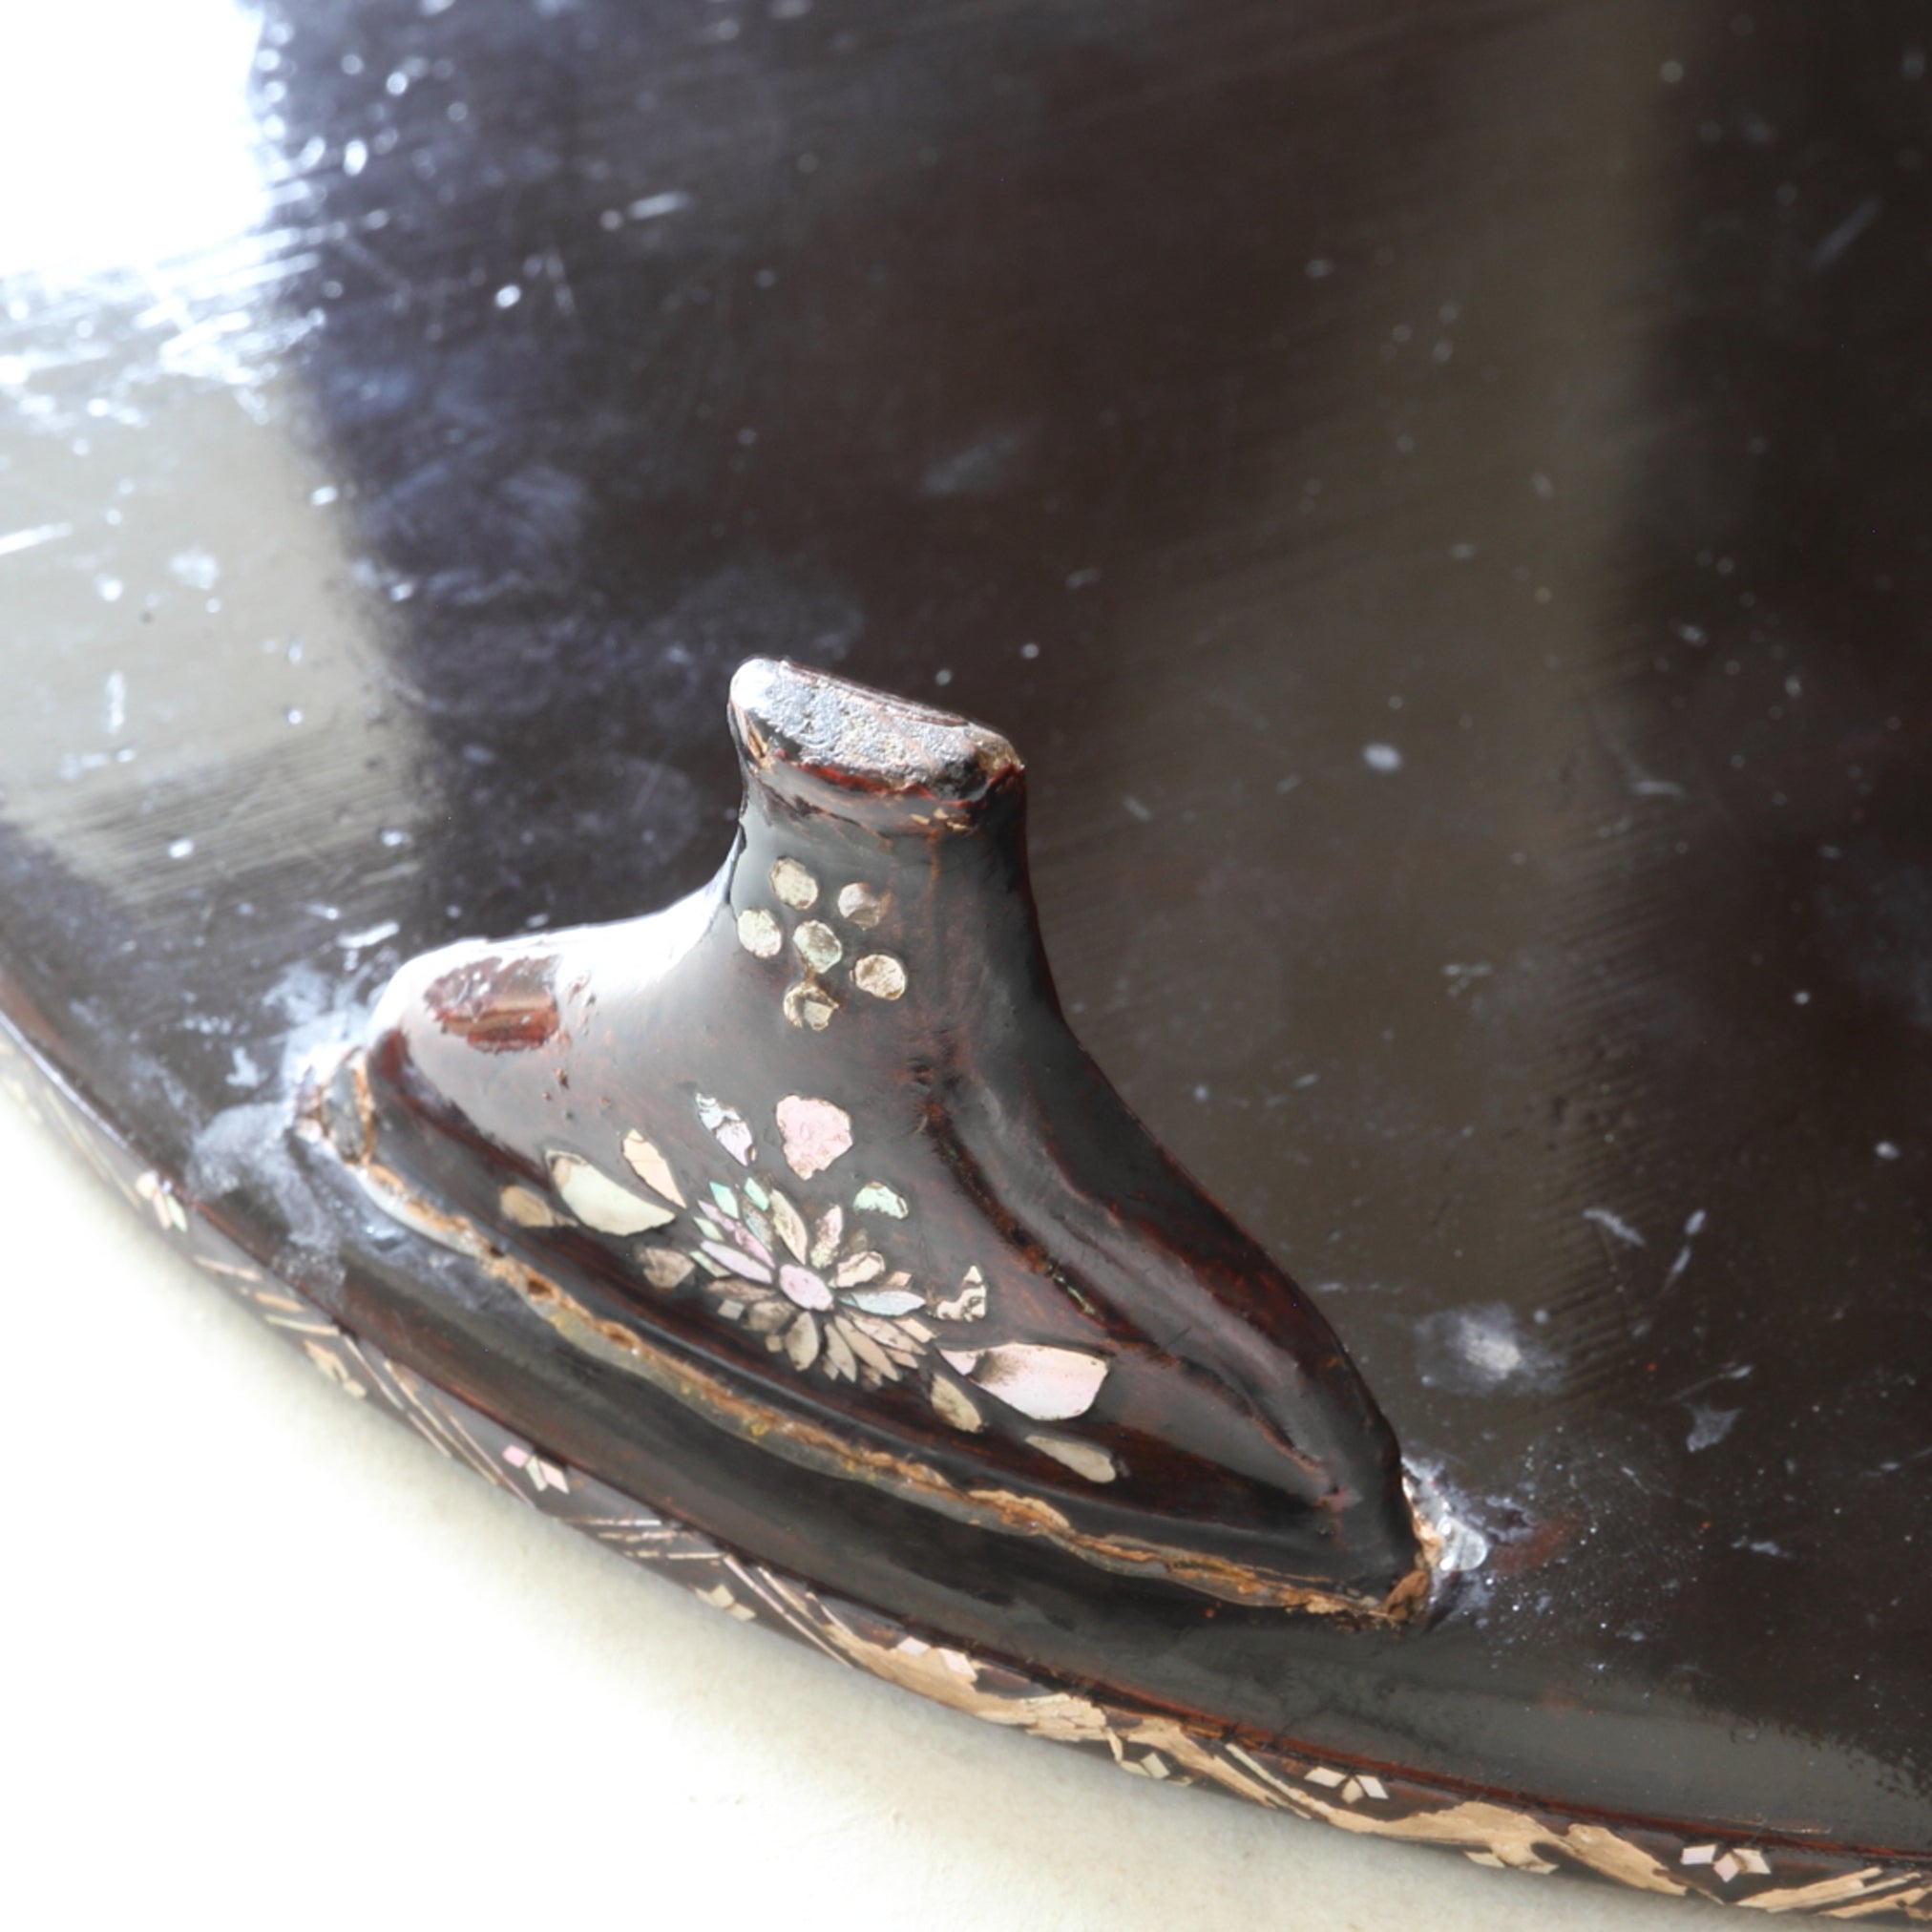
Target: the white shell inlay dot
(818, 946)
(651, 1168)
(970, 1303)
(876, 1198)
(1727, 1864)
(1049, 1384)
(523, 1207)
(862, 906)
(838, 1357)
(880, 975)
(720, 1599)
(806, 1004)
(794, 885)
(1083, 1458)
(664, 1266)
(885, 1301)
(789, 1224)
(802, 1343)
(867, 1350)
(955, 1406)
(759, 932)
(814, 1133)
(599, 1202)
(826, 1236)
(733, 1129)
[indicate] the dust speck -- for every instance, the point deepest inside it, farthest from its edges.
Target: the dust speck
(1709, 1427)
(1480, 1350)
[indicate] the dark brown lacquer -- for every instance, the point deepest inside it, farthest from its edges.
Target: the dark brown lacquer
(816, 1152)
(1439, 493)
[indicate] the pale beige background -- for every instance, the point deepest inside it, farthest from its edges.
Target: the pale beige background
(270, 1663)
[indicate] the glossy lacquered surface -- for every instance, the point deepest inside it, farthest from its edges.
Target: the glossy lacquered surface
(814, 1153)
(1437, 494)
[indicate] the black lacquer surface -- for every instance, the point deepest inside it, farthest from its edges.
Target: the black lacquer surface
(1439, 493)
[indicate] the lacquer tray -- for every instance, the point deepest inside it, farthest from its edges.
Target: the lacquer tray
(1424, 525)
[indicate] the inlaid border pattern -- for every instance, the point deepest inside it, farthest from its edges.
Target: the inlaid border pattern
(1759, 1875)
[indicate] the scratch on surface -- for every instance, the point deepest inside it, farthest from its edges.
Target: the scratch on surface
(1693, 1228)
(561, 292)
(1639, 781)
(1846, 233)
(654, 207)
(1615, 1224)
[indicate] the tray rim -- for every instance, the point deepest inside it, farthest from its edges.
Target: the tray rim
(1771, 1872)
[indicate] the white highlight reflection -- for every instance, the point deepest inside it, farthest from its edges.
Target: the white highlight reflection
(126, 139)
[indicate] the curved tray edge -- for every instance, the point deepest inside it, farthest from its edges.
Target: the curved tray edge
(1766, 1874)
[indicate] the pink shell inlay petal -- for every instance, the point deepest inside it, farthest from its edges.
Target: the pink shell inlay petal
(801, 1285)
(815, 1133)
(751, 1245)
(739, 1263)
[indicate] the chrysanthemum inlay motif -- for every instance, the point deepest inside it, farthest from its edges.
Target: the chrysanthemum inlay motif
(807, 1276)
(817, 1277)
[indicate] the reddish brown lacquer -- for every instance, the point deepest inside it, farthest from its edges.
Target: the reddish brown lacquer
(815, 1152)
(495, 1004)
